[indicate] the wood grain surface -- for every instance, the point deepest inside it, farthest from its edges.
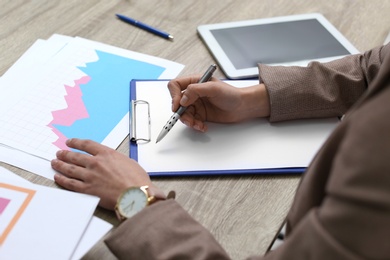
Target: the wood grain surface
(243, 212)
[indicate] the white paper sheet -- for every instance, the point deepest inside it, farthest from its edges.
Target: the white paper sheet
(28, 124)
(96, 228)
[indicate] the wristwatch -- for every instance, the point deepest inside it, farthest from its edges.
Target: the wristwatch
(133, 200)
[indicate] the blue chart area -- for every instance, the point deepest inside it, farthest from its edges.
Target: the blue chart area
(105, 96)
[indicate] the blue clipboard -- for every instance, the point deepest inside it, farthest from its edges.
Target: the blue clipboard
(134, 155)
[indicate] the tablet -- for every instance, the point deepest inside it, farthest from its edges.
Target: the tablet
(289, 40)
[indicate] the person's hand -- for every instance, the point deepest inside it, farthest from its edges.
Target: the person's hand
(217, 101)
(102, 172)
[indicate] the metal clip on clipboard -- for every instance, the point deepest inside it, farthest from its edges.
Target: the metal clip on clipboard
(135, 135)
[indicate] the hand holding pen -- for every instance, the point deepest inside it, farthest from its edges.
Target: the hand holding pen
(217, 101)
(172, 121)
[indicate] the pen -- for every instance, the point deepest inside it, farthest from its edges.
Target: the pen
(145, 27)
(172, 121)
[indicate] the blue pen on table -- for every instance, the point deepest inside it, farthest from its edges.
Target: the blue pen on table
(145, 27)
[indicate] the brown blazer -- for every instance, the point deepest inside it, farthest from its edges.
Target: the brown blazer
(342, 206)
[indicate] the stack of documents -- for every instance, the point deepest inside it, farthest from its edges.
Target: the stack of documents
(61, 88)
(45, 223)
(67, 87)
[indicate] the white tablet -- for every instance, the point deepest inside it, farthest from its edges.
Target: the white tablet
(289, 40)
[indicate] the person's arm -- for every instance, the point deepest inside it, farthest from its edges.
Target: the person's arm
(320, 89)
(342, 206)
(164, 230)
(284, 93)
(351, 219)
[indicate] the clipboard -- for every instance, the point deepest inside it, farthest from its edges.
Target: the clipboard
(225, 149)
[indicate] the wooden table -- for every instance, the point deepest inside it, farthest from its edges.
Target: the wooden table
(242, 212)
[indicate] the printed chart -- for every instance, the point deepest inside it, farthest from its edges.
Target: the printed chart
(92, 102)
(81, 91)
(46, 222)
(13, 201)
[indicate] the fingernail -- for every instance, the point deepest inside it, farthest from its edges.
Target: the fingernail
(59, 152)
(54, 162)
(187, 123)
(196, 127)
(184, 100)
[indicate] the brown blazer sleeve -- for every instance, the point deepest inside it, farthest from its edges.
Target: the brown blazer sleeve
(342, 207)
(164, 230)
(320, 89)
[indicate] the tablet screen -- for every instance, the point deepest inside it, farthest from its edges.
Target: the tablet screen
(274, 43)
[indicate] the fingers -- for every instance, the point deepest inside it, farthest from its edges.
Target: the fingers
(73, 164)
(75, 158)
(196, 91)
(191, 119)
(177, 86)
(88, 146)
(63, 165)
(69, 183)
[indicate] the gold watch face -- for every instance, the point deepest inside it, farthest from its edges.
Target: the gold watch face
(132, 201)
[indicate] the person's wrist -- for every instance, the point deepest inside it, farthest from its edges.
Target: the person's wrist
(135, 198)
(255, 102)
(160, 195)
(126, 204)
(156, 192)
